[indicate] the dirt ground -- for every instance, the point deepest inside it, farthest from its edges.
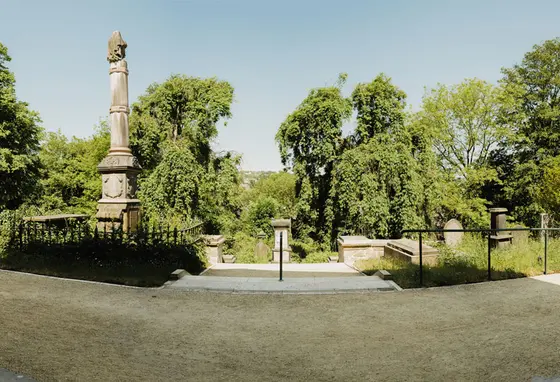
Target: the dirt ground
(58, 330)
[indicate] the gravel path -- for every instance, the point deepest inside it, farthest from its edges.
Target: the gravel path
(59, 330)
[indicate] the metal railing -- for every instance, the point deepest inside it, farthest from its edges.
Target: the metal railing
(27, 232)
(489, 233)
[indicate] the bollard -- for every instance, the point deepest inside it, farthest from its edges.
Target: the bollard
(420, 255)
(489, 256)
(281, 245)
(545, 249)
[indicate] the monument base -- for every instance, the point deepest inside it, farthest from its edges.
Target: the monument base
(286, 255)
(123, 215)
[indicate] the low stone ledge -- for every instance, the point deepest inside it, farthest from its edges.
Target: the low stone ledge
(178, 274)
(383, 274)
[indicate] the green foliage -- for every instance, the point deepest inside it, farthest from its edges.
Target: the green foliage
(242, 246)
(172, 128)
(380, 108)
(69, 178)
(310, 141)
(549, 192)
(280, 186)
(260, 214)
(19, 142)
(535, 84)
(378, 188)
(318, 257)
(464, 123)
(181, 107)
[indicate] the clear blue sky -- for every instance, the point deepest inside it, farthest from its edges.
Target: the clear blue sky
(272, 52)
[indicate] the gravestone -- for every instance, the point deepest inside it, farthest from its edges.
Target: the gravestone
(453, 239)
(261, 249)
(519, 237)
(281, 226)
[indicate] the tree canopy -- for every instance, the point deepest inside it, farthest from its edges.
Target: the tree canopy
(19, 141)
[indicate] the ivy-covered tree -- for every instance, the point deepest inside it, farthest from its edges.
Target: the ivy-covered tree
(378, 185)
(172, 128)
(19, 142)
(380, 108)
(310, 141)
(182, 107)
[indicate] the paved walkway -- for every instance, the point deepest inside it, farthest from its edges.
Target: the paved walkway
(297, 278)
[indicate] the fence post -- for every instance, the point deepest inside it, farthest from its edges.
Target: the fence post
(281, 260)
(489, 256)
(420, 255)
(545, 249)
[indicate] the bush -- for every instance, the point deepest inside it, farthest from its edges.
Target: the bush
(318, 257)
(242, 246)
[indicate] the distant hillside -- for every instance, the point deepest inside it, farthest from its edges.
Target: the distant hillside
(250, 177)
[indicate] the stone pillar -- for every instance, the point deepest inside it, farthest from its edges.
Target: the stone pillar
(498, 221)
(214, 245)
(544, 224)
(281, 226)
(118, 206)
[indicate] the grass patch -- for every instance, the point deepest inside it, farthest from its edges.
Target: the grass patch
(468, 263)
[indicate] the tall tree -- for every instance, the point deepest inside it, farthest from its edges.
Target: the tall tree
(310, 141)
(378, 185)
(380, 108)
(173, 126)
(19, 141)
(465, 124)
(535, 85)
(181, 107)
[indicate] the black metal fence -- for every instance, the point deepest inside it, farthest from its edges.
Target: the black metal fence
(489, 233)
(26, 232)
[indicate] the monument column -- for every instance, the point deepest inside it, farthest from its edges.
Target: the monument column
(118, 207)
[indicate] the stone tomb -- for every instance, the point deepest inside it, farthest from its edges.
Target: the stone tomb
(354, 248)
(453, 239)
(409, 250)
(281, 226)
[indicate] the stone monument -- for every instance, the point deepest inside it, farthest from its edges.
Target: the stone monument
(453, 239)
(498, 221)
(214, 248)
(118, 207)
(281, 226)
